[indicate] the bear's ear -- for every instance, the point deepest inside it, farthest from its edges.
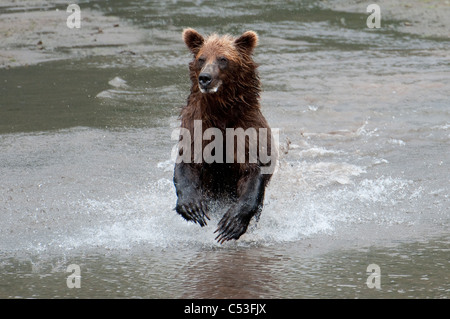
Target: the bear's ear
(247, 42)
(193, 40)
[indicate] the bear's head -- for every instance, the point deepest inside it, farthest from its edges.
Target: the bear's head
(222, 64)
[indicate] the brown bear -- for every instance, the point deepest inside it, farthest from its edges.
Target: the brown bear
(224, 103)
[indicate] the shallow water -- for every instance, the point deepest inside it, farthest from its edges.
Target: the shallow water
(86, 169)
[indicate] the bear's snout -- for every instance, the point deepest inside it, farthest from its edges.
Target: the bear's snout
(204, 79)
(208, 79)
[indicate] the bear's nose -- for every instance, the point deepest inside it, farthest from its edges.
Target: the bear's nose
(204, 79)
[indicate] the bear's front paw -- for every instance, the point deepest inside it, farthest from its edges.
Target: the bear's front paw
(232, 225)
(195, 211)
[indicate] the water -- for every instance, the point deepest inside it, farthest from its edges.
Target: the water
(86, 171)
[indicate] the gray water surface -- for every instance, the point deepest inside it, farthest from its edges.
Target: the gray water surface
(86, 168)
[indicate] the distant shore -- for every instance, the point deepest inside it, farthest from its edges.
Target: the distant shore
(33, 31)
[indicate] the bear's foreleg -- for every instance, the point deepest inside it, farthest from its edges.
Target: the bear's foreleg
(234, 223)
(190, 202)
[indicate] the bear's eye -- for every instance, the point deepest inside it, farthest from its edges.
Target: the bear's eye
(223, 62)
(201, 61)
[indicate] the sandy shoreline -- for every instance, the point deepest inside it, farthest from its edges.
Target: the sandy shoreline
(30, 37)
(35, 31)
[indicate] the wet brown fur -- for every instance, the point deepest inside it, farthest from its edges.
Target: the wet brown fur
(236, 104)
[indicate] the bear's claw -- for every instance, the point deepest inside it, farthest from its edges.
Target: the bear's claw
(196, 212)
(231, 226)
